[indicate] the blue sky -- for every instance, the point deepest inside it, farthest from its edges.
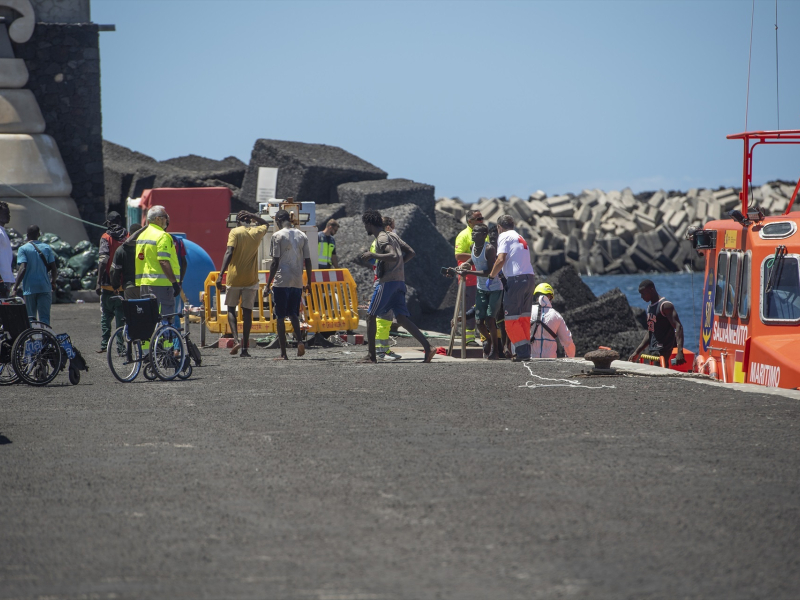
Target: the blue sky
(476, 98)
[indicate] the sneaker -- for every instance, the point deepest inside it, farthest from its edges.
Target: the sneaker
(245, 353)
(395, 354)
(389, 357)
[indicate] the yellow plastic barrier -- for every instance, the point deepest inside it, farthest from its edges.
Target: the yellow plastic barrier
(331, 304)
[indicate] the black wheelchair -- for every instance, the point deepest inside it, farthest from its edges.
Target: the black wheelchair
(31, 352)
(148, 339)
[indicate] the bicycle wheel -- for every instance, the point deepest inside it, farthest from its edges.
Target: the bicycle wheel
(124, 356)
(167, 353)
(36, 356)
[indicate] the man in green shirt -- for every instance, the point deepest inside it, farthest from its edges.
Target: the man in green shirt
(463, 254)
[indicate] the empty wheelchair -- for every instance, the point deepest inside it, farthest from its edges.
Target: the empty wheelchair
(30, 351)
(147, 340)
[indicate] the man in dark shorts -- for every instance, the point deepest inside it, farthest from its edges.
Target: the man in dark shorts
(289, 255)
(389, 293)
(664, 328)
(489, 293)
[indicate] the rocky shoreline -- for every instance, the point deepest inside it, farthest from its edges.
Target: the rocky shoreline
(619, 232)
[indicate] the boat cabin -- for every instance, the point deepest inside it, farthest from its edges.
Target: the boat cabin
(750, 315)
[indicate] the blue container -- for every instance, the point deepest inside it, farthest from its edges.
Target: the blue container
(198, 266)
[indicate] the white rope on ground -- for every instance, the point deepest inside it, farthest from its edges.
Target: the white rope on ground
(570, 383)
(20, 192)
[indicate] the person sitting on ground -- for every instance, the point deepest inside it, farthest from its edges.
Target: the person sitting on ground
(664, 327)
(34, 260)
(390, 291)
(241, 263)
(489, 290)
(326, 246)
(548, 327)
(123, 265)
(290, 253)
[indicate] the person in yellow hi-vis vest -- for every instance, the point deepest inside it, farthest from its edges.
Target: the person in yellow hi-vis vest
(157, 261)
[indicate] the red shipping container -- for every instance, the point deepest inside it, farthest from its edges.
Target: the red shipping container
(200, 213)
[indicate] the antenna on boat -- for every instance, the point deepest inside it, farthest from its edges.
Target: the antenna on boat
(749, 62)
(777, 86)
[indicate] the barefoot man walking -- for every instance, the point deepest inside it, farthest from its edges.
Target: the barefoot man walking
(289, 255)
(390, 289)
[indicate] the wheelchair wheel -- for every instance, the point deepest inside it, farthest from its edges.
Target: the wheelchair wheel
(7, 374)
(167, 353)
(186, 372)
(148, 371)
(36, 356)
(124, 356)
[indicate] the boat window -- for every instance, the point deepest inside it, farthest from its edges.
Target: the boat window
(744, 288)
(722, 277)
(780, 292)
(777, 231)
(733, 279)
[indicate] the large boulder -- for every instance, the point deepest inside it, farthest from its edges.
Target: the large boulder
(387, 193)
(229, 170)
(128, 173)
(306, 172)
(570, 290)
(597, 323)
(422, 273)
(448, 226)
(326, 212)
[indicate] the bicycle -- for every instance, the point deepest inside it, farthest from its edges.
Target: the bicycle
(165, 354)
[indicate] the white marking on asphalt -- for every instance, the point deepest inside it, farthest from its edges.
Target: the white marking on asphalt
(570, 383)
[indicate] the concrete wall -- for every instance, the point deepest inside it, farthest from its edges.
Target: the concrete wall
(64, 66)
(62, 11)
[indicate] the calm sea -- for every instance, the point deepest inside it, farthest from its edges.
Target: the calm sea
(675, 287)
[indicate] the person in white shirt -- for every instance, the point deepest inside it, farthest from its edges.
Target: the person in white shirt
(6, 255)
(547, 326)
(514, 259)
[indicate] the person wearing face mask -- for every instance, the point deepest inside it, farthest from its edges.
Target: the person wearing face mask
(157, 267)
(110, 306)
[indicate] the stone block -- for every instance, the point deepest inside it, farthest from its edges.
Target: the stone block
(326, 212)
(446, 224)
(19, 112)
(538, 207)
(537, 195)
(229, 170)
(13, 73)
(33, 165)
(597, 323)
(455, 208)
(550, 261)
(677, 219)
(613, 246)
(584, 213)
(570, 290)
(25, 213)
(565, 209)
(572, 247)
(566, 225)
(522, 209)
(306, 172)
(628, 199)
(714, 211)
(657, 199)
(386, 193)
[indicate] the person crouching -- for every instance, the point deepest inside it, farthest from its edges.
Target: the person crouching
(547, 326)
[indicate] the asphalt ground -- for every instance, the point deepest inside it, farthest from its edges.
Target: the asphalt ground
(320, 478)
